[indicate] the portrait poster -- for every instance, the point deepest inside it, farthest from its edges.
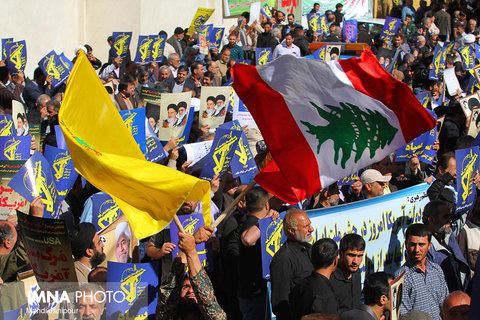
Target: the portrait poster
(110, 89)
(20, 121)
(467, 164)
(34, 179)
(440, 124)
(48, 248)
(474, 124)
(476, 72)
(119, 242)
(396, 293)
(469, 102)
(174, 110)
(333, 52)
(138, 283)
(213, 106)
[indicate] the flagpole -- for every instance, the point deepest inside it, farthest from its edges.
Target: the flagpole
(178, 223)
(232, 206)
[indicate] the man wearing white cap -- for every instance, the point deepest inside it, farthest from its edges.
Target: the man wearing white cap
(374, 183)
(122, 242)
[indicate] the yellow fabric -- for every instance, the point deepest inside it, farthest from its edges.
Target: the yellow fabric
(105, 153)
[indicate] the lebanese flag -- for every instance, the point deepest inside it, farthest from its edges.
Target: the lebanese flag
(322, 121)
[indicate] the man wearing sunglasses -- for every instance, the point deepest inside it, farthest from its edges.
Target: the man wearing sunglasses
(374, 183)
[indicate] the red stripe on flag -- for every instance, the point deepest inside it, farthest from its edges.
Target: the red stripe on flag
(282, 135)
(370, 78)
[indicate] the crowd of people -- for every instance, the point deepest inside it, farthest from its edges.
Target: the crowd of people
(308, 281)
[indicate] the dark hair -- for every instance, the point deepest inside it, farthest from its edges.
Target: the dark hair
(162, 33)
(38, 73)
(195, 65)
(3, 73)
(352, 241)
(123, 85)
(334, 50)
(338, 5)
(182, 104)
(88, 48)
(182, 68)
(376, 285)
(142, 70)
(211, 98)
(172, 106)
(444, 159)
(268, 22)
(291, 14)
(221, 97)
(418, 230)
(6, 232)
(324, 252)
(110, 39)
(432, 209)
(278, 11)
(209, 74)
(54, 103)
(256, 199)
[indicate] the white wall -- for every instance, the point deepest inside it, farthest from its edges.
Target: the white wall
(62, 25)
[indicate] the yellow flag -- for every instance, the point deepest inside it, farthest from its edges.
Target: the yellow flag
(105, 153)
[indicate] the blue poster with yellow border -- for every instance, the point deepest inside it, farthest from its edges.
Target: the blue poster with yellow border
(63, 170)
(272, 237)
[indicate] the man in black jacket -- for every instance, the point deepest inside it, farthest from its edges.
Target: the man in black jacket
(266, 39)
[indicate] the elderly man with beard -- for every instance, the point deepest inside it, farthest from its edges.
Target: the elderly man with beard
(445, 250)
(87, 249)
(292, 262)
(346, 279)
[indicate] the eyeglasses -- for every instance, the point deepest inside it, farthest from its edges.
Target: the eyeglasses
(382, 183)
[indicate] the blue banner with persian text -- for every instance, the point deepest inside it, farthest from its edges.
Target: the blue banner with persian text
(350, 29)
(390, 27)
(381, 221)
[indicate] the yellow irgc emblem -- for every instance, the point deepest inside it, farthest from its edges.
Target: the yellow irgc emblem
(23, 315)
(466, 55)
(392, 24)
(144, 48)
(15, 56)
(438, 58)
(119, 44)
(273, 242)
(218, 35)
(466, 173)
(189, 225)
(143, 316)
(10, 149)
(41, 185)
(314, 23)
(108, 215)
(241, 152)
(221, 152)
(7, 129)
(129, 121)
(60, 164)
(51, 68)
(129, 283)
(264, 55)
(156, 52)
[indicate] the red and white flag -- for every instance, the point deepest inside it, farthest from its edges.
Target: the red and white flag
(322, 121)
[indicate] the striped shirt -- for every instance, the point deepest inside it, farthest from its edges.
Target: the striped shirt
(423, 291)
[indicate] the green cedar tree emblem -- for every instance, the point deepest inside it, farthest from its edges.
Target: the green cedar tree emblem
(352, 130)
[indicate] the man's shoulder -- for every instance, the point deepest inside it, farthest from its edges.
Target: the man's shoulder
(356, 314)
(284, 253)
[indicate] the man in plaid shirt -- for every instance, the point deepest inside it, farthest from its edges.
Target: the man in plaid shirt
(425, 287)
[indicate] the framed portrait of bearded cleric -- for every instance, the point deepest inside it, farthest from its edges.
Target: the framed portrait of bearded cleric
(469, 102)
(174, 109)
(213, 106)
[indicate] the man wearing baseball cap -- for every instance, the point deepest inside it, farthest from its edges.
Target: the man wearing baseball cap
(374, 183)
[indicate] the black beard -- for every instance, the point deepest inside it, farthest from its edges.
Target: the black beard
(97, 259)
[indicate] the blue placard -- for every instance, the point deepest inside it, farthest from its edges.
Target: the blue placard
(51, 65)
(67, 63)
(17, 314)
(62, 168)
(120, 44)
(61, 144)
(348, 180)
(206, 30)
(350, 29)
(438, 63)
(186, 131)
(263, 56)
(190, 224)
(424, 98)
(105, 211)
(266, 11)
(221, 153)
(467, 164)
(438, 101)
(320, 53)
(16, 56)
(468, 58)
(390, 27)
(242, 161)
(158, 46)
(15, 148)
(138, 283)
(449, 46)
(135, 121)
(4, 45)
(155, 151)
(216, 37)
(243, 61)
(144, 49)
(477, 51)
(421, 146)
(6, 125)
(272, 237)
(313, 20)
(34, 179)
